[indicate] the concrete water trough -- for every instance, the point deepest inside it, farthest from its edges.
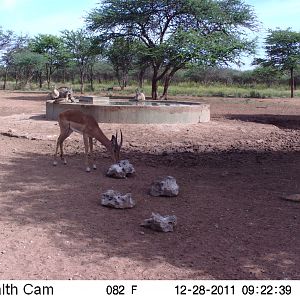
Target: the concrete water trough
(106, 110)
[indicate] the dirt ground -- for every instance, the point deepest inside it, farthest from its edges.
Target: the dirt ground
(232, 173)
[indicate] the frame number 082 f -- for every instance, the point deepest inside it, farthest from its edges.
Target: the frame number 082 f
(120, 290)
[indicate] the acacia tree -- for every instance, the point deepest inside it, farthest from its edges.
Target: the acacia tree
(266, 74)
(51, 47)
(82, 50)
(283, 52)
(177, 32)
(121, 55)
(26, 64)
(17, 43)
(6, 38)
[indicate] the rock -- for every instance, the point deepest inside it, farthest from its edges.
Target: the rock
(294, 197)
(165, 186)
(160, 223)
(116, 171)
(127, 167)
(120, 170)
(115, 199)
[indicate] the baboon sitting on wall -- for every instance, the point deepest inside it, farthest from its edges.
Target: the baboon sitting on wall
(62, 93)
(139, 96)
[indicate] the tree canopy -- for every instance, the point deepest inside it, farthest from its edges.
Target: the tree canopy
(82, 50)
(51, 47)
(176, 33)
(6, 38)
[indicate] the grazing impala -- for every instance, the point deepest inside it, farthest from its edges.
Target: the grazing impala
(75, 120)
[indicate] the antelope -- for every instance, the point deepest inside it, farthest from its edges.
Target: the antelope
(75, 120)
(139, 96)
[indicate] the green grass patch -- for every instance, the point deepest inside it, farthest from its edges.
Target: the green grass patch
(181, 89)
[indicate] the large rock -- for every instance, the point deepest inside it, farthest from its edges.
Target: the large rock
(115, 199)
(166, 186)
(121, 170)
(160, 223)
(116, 171)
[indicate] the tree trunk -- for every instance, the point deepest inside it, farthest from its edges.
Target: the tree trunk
(16, 79)
(48, 76)
(124, 81)
(118, 77)
(154, 84)
(92, 78)
(82, 69)
(168, 78)
(5, 78)
(64, 75)
(154, 89)
(40, 79)
(141, 77)
(73, 77)
(81, 81)
(292, 82)
(164, 95)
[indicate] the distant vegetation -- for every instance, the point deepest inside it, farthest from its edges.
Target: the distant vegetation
(145, 45)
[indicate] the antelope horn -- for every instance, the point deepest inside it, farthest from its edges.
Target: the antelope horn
(121, 142)
(116, 140)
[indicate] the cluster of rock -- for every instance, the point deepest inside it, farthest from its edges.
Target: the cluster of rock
(164, 186)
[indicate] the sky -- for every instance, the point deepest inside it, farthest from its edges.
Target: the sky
(44, 16)
(52, 16)
(272, 14)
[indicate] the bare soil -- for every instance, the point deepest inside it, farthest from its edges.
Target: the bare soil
(232, 173)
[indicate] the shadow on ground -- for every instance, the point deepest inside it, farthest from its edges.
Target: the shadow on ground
(39, 117)
(232, 223)
(39, 96)
(281, 121)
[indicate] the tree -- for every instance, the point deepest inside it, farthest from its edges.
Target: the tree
(6, 38)
(266, 74)
(16, 44)
(103, 70)
(82, 50)
(26, 64)
(5, 41)
(177, 32)
(121, 55)
(283, 52)
(51, 47)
